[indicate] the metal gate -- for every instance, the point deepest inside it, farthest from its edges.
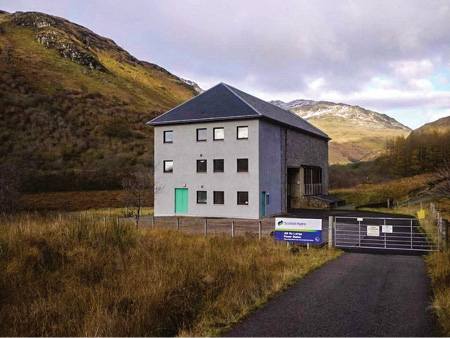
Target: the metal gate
(386, 234)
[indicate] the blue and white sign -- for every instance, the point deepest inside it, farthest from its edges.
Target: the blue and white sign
(298, 230)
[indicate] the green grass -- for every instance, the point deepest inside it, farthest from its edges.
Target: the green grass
(65, 278)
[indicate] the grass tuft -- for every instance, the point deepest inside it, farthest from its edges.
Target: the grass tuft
(438, 265)
(63, 277)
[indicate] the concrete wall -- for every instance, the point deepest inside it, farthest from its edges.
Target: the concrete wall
(185, 151)
(271, 166)
(270, 150)
(302, 149)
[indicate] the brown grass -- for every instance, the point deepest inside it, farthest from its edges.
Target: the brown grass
(399, 190)
(74, 200)
(438, 265)
(64, 278)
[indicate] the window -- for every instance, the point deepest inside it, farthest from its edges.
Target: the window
(168, 166)
(218, 166)
(201, 166)
(313, 180)
(219, 134)
(242, 165)
(168, 136)
(242, 197)
(201, 134)
(242, 132)
(219, 197)
(201, 197)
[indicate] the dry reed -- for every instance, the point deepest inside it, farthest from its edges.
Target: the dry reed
(438, 265)
(67, 278)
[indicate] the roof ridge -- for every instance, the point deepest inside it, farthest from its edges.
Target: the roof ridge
(279, 108)
(240, 98)
(181, 104)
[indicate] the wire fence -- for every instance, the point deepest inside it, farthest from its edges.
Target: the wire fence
(212, 226)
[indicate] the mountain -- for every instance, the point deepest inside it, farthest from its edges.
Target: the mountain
(73, 104)
(425, 150)
(357, 134)
(193, 85)
(439, 126)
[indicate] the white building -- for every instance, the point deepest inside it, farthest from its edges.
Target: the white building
(226, 153)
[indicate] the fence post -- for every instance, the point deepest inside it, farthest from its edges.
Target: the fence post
(444, 234)
(178, 223)
(104, 220)
(206, 227)
(232, 228)
(153, 222)
(411, 234)
(330, 231)
(259, 230)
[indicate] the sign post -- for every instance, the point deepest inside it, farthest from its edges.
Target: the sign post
(298, 230)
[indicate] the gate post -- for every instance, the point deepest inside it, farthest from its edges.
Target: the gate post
(444, 234)
(330, 231)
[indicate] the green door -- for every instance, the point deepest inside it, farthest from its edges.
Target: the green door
(181, 200)
(263, 204)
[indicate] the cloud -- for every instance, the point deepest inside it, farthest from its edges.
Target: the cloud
(384, 54)
(432, 116)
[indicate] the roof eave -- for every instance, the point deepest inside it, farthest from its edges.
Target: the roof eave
(211, 119)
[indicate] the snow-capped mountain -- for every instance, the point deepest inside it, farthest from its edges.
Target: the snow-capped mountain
(323, 110)
(193, 84)
(357, 134)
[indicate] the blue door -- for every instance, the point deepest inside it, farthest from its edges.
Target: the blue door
(263, 204)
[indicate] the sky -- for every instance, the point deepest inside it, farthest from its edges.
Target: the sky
(391, 56)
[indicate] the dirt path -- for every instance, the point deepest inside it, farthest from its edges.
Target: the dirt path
(355, 295)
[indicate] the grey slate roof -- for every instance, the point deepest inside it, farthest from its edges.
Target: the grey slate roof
(223, 102)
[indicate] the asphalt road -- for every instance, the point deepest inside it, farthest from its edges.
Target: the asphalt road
(355, 295)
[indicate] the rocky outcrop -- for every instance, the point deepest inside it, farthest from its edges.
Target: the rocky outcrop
(50, 33)
(81, 45)
(193, 84)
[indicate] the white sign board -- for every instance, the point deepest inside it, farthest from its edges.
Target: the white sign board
(360, 219)
(373, 230)
(387, 228)
(292, 224)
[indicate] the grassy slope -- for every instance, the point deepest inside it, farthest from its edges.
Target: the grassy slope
(63, 278)
(143, 85)
(55, 111)
(400, 190)
(74, 200)
(357, 142)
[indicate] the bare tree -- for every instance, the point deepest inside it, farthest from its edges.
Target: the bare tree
(443, 179)
(139, 186)
(10, 180)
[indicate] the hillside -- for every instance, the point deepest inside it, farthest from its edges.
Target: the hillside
(425, 150)
(439, 126)
(73, 104)
(357, 134)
